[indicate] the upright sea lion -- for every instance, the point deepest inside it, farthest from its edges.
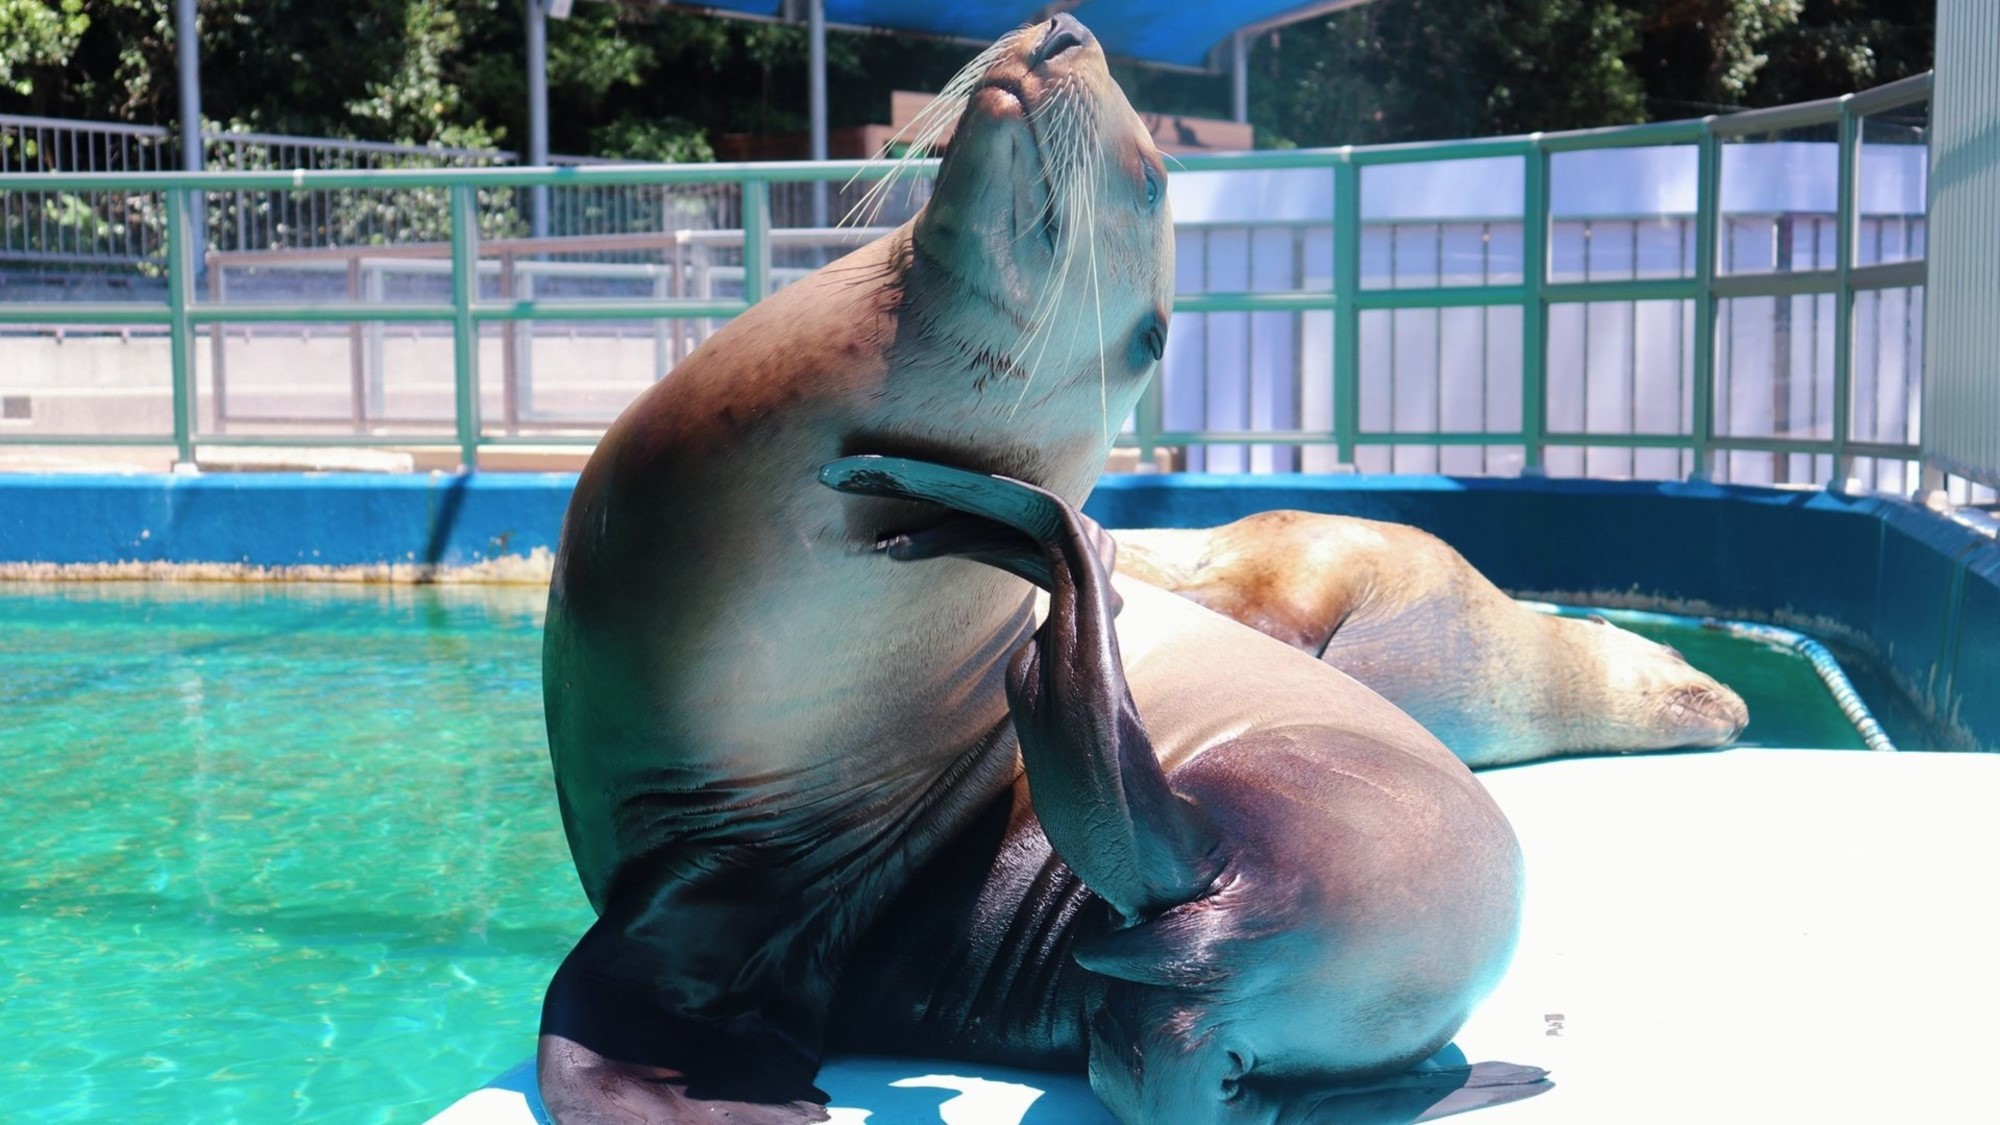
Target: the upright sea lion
(768, 736)
(1398, 609)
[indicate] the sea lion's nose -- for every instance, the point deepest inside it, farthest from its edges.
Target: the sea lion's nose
(1062, 33)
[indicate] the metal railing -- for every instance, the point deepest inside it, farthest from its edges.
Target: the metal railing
(67, 228)
(740, 198)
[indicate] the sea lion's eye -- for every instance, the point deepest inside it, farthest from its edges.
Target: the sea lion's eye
(1153, 186)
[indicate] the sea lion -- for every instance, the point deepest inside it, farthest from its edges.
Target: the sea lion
(1306, 892)
(765, 732)
(1398, 609)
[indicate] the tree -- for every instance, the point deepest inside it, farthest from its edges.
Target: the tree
(631, 78)
(1421, 69)
(1400, 70)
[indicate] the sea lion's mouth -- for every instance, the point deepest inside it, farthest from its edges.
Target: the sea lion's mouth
(1009, 87)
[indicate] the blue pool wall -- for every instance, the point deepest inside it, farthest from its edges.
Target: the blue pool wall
(1920, 593)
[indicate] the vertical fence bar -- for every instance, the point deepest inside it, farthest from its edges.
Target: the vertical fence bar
(1707, 220)
(180, 335)
(1535, 309)
(756, 241)
(464, 330)
(1346, 305)
(1843, 297)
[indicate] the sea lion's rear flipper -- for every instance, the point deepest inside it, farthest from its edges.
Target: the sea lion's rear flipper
(1441, 1086)
(1490, 1084)
(1099, 791)
(609, 1053)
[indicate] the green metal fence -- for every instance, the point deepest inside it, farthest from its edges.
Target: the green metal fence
(1346, 299)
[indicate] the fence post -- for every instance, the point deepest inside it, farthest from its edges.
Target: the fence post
(1707, 221)
(180, 329)
(1843, 295)
(756, 244)
(1346, 305)
(1535, 310)
(464, 330)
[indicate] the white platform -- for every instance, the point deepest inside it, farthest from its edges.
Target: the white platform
(1750, 935)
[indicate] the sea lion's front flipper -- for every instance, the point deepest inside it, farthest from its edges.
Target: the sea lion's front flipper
(1099, 791)
(609, 1053)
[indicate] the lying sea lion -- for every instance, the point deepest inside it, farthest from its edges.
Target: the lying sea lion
(1398, 609)
(770, 738)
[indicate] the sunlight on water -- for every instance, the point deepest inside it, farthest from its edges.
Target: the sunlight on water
(273, 852)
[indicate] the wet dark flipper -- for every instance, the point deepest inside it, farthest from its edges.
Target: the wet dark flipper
(1441, 1086)
(609, 1053)
(1489, 1084)
(1099, 791)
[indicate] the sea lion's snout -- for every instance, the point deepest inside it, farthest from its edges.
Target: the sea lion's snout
(1709, 714)
(1062, 33)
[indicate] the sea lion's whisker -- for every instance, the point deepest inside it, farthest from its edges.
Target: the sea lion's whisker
(923, 131)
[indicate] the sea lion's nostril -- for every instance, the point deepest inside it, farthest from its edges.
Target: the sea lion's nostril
(1061, 35)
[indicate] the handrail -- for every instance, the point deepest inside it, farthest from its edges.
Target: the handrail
(1705, 284)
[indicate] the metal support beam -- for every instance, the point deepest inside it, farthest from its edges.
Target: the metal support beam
(1707, 229)
(1535, 311)
(180, 330)
(187, 50)
(194, 154)
(1846, 196)
(538, 111)
(1239, 77)
(464, 328)
(816, 81)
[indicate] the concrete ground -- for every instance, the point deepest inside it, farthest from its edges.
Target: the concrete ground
(1740, 936)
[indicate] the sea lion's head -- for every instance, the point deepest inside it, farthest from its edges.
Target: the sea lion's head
(1650, 697)
(1039, 277)
(1320, 974)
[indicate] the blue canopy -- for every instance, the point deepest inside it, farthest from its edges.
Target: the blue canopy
(1156, 31)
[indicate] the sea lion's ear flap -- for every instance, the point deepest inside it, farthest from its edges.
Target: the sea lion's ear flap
(1171, 951)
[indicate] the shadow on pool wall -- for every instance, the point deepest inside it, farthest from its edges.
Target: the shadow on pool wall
(1917, 593)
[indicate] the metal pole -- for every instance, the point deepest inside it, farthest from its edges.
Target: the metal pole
(1347, 307)
(1707, 223)
(538, 112)
(180, 330)
(464, 329)
(187, 49)
(1843, 298)
(1535, 312)
(1239, 77)
(816, 80)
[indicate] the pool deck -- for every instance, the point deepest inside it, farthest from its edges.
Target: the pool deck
(1739, 936)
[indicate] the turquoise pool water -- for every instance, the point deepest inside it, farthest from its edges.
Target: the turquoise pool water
(273, 853)
(291, 852)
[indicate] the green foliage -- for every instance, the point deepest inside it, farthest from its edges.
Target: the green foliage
(632, 78)
(1838, 46)
(37, 34)
(1415, 69)
(668, 140)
